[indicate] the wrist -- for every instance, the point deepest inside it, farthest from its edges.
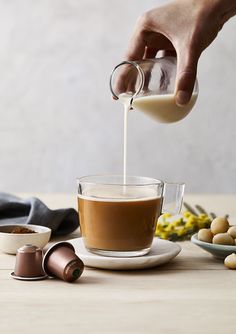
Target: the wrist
(227, 9)
(222, 10)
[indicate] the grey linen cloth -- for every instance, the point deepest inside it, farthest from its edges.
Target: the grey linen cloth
(14, 210)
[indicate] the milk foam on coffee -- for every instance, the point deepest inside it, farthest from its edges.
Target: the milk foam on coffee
(114, 193)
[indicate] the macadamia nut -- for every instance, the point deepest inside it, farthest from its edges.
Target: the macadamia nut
(219, 225)
(205, 235)
(232, 231)
(230, 261)
(223, 239)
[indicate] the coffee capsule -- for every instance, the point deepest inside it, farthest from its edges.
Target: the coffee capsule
(28, 264)
(61, 261)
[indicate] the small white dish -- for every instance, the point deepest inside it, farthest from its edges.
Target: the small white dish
(10, 242)
(218, 251)
(162, 251)
(28, 278)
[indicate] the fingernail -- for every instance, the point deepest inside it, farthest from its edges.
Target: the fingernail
(182, 97)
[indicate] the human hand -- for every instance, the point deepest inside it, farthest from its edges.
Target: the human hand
(182, 27)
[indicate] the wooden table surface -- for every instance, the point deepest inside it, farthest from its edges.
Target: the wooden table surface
(194, 293)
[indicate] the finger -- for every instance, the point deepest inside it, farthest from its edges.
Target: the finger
(185, 77)
(123, 78)
(137, 44)
(135, 51)
(127, 78)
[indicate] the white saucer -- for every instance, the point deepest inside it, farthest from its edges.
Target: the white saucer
(162, 251)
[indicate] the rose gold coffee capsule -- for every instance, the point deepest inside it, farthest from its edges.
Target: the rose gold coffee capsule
(61, 261)
(28, 264)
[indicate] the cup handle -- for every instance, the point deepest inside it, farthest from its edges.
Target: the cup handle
(173, 194)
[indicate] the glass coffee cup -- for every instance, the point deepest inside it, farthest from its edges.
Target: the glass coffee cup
(118, 219)
(149, 86)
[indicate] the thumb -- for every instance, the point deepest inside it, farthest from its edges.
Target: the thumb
(185, 76)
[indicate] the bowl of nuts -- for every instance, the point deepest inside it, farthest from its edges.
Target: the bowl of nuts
(13, 237)
(219, 240)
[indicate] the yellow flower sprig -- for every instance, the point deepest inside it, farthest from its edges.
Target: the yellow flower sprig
(181, 227)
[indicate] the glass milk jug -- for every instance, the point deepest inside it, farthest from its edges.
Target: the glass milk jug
(149, 86)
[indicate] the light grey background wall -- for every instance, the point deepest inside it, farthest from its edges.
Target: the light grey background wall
(57, 120)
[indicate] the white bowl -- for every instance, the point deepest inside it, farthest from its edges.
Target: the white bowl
(10, 242)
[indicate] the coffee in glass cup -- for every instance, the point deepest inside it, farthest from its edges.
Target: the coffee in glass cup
(118, 219)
